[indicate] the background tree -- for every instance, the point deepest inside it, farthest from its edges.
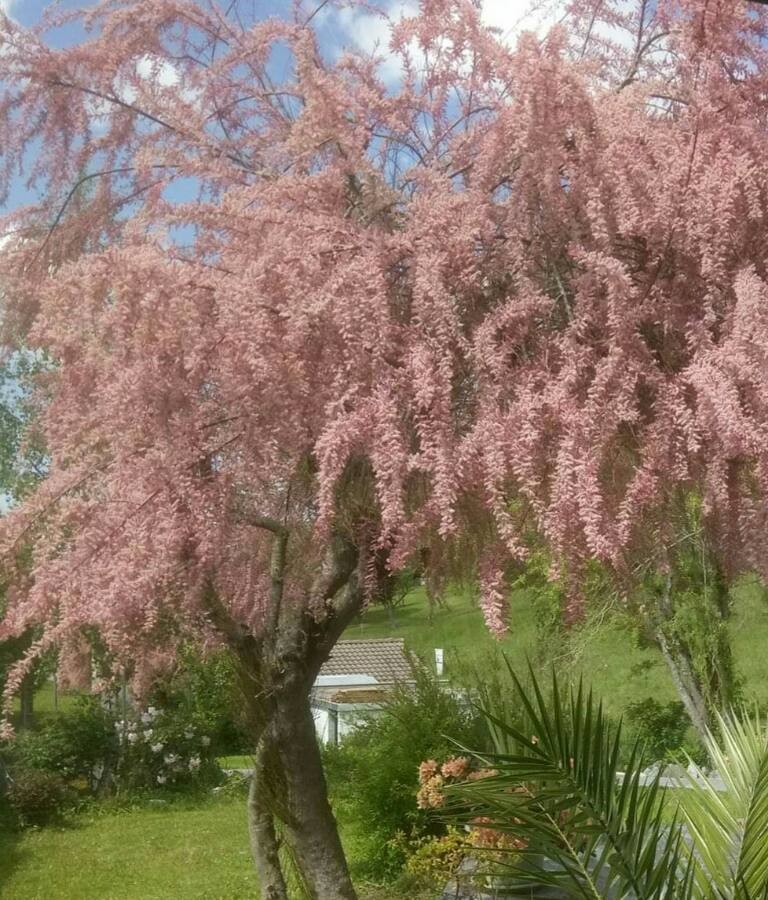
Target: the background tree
(390, 324)
(23, 463)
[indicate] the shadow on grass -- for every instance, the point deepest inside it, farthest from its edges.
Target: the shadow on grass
(10, 852)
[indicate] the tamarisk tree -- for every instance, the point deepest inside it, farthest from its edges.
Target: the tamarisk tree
(314, 319)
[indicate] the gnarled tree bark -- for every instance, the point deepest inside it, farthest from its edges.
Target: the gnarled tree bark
(265, 847)
(288, 797)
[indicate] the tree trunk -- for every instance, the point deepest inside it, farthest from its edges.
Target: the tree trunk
(261, 826)
(288, 797)
(308, 821)
(27, 700)
(686, 683)
(711, 684)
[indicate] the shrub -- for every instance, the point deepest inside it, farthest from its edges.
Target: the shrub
(662, 727)
(80, 743)
(150, 750)
(204, 693)
(435, 860)
(374, 773)
(162, 749)
(36, 796)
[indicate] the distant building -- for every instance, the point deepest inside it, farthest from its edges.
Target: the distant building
(354, 682)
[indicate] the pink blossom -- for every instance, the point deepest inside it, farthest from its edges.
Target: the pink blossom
(427, 769)
(446, 329)
(457, 767)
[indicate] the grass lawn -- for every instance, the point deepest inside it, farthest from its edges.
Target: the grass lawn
(236, 762)
(149, 853)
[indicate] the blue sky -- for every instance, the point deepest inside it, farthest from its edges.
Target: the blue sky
(344, 28)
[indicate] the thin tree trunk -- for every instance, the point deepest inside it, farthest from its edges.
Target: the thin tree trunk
(261, 828)
(684, 676)
(686, 683)
(27, 701)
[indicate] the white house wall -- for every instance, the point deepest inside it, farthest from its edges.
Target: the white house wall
(322, 724)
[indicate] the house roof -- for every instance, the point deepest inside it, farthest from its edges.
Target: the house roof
(384, 659)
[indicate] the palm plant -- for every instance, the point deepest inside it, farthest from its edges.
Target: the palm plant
(557, 787)
(729, 828)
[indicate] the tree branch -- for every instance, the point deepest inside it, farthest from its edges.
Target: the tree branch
(266, 522)
(239, 638)
(79, 184)
(138, 111)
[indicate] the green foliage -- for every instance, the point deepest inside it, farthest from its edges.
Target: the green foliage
(555, 790)
(373, 774)
(729, 827)
(80, 743)
(548, 598)
(661, 727)
(23, 463)
(492, 687)
(690, 604)
(560, 796)
(435, 859)
(37, 797)
(23, 456)
(204, 692)
(151, 750)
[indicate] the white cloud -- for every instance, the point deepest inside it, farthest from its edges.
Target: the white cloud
(162, 72)
(513, 16)
(370, 34)
(148, 68)
(7, 6)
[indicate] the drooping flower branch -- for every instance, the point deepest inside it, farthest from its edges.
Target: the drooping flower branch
(520, 291)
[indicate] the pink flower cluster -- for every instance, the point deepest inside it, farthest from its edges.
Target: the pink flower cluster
(433, 777)
(517, 295)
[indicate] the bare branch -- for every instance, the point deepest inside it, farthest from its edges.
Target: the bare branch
(266, 522)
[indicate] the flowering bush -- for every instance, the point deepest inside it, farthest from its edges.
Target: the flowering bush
(433, 778)
(373, 772)
(158, 749)
(436, 859)
(203, 690)
(433, 781)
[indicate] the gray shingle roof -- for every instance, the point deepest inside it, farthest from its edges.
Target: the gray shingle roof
(385, 659)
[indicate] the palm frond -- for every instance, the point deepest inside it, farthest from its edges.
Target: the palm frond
(558, 790)
(730, 828)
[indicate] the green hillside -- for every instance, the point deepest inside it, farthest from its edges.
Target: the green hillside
(609, 656)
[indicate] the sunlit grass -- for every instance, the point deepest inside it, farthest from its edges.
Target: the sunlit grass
(154, 852)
